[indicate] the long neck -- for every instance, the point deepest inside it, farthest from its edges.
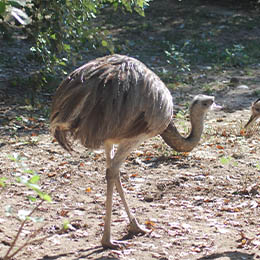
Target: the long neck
(184, 144)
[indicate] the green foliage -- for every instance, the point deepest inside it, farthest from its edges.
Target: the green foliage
(27, 177)
(66, 27)
(225, 160)
(258, 166)
(207, 89)
(228, 161)
(66, 224)
(63, 30)
(176, 56)
(181, 116)
(206, 52)
(30, 179)
(2, 182)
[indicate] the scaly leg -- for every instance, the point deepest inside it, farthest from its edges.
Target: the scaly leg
(111, 172)
(113, 178)
(106, 239)
(128, 145)
(135, 228)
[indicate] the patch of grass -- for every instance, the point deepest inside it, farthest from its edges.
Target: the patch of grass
(256, 92)
(207, 89)
(167, 76)
(176, 56)
(228, 161)
(209, 42)
(194, 52)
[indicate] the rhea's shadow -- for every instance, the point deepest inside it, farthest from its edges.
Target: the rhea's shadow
(231, 255)
(84, 253)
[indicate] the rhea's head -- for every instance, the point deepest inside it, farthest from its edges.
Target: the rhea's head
(255, 112)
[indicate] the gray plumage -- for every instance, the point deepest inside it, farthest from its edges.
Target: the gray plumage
(118, 100)
(255, 112)
(198, 109)
(114, 97)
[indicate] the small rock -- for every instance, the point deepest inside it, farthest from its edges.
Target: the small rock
(234, 81)
(148, 198)
(242, 87)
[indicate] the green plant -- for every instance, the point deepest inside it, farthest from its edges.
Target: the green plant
(181, 114)
(61, 32)
(207, 89)
(176, 57)
(30, 179)
(236, 55)
(205, 51)
(63, 28)
(258, 166)
(228, 161)
(2, 182)
(256, 92)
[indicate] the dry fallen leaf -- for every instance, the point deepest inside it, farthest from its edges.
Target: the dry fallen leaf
(244, 240)
(64, 213)
(243, 132)
(115, 253)
(224, 133)
(32, 119)
(51, 174)
(149, 224)
(139, 153)
(88, 189)
(66, 175)
(148, 153)
(63, 163)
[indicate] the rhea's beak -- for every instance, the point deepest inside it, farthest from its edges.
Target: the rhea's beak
(215, 107)
(251, 119)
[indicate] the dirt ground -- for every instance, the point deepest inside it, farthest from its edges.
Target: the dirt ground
(201, 205)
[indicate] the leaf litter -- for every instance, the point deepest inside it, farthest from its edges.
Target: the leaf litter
(196, 205)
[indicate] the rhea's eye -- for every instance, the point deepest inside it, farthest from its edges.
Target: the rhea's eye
(205, 104)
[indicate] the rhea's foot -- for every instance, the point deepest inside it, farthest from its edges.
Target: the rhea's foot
(136, 229)
(109, 244)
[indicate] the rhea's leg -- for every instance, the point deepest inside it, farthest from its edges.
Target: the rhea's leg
(113, 177)
(106, 238)
(135, 228)
(126, 147)
(110, 153)
(112, 173)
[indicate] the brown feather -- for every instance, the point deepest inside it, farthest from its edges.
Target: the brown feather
(113, 97)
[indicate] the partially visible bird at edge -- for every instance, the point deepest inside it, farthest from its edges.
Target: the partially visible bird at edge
(117, 100)
(255, 112)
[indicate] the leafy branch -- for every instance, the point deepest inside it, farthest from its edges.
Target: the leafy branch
(29, 179)
(7, 256)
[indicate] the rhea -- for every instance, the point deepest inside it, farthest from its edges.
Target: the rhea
(117, 100)
(255, 112)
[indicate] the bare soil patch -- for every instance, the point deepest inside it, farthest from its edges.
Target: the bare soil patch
(201, 205)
